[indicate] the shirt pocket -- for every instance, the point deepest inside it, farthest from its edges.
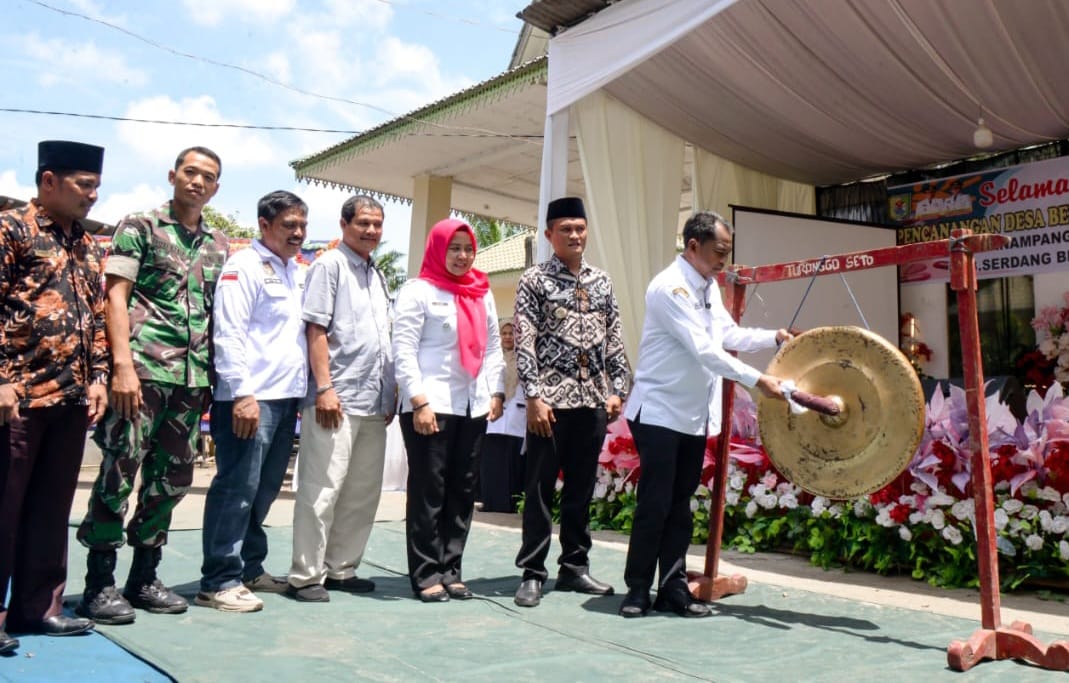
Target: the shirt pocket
(165, 275)
(441, 320)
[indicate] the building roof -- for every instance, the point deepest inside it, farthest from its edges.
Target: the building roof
(509, 254)
(553, 15)
(487, 138)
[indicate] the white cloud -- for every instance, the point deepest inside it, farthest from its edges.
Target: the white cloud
(110, 208)
(158, 144)
(396, 59)
(92, 9)
(11, 187)
(212, 12)
(277, 65)
(324, 210)
(62, 62)
(368, 15)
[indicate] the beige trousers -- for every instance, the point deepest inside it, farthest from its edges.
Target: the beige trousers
(339, 481)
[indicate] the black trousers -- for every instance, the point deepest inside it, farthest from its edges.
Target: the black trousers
(40, 455)
(578, 435)
(501, 472)
(671, 468)
(442, 476)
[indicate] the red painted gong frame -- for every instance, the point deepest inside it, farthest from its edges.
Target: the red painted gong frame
(992, 640)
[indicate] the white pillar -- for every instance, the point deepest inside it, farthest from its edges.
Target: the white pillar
(554, 181)
(431, 201)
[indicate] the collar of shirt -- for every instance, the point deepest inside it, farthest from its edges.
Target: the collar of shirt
(40, 214)
(355, 258)
(697, 282)
(558, 266)
(167, 216)
(268, 255)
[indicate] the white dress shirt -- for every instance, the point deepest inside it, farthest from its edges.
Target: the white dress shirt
(683, 355)
(260, 347)
(427, 356)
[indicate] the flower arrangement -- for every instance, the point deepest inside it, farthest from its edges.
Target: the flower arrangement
(1052, 337)
(921, 523)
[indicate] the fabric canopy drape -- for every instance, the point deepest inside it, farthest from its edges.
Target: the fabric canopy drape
(719, 183)
(633, 170)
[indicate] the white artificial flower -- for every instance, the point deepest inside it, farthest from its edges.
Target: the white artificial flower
(862, 507)
(1029, 512)
(1012, 506)
(1049, 493)
(1044, 520)
(751, 509)
(558, 485)
(767, 501)
(629, 487)
(908, 501)
(737, 480)
(693, 505)
(788, 501)
(836, 511)
(883, 517)
(1048, 347)
(918, 487)
(1063, 550)
(940, 499)
(731, 497)
(708, 504)
(1001, 519)
(600, 489)
(963, 509)
(952, 534)
(1059, 525)
(1034, 542)
(916, 517)
(938, 520)
(758, 489)
(905, 534)
(819, 505)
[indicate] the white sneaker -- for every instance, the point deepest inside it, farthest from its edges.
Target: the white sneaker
(236, 599)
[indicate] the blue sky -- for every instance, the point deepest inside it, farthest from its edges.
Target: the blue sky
(394, 55)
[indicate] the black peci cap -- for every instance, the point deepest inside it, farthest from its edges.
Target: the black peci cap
(565, 207)
(64, 155)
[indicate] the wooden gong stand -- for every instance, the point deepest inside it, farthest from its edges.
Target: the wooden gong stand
(992, 640)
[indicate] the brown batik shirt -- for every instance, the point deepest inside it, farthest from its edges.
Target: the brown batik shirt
(52, 343)
(569, 338)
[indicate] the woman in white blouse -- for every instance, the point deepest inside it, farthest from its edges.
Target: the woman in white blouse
(450, 373)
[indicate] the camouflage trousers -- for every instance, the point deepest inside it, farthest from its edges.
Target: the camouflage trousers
(161, 441)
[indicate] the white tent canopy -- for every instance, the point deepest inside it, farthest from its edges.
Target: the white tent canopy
(779, 95)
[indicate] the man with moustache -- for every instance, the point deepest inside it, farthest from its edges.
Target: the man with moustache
(261, 362)
(354, 398)
(682, 356)
(160, 282)
(53, 382)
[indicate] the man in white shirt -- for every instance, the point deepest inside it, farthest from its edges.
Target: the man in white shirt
(682, 356)
(261, 362)
(343, 428)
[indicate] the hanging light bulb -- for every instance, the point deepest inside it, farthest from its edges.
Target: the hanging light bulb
(982, 137)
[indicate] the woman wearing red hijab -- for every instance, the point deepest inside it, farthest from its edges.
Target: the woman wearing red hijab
(450, 373)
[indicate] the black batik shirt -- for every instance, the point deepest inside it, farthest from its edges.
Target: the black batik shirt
(569, 339)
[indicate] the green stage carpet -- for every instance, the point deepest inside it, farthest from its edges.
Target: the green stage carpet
(767, 634)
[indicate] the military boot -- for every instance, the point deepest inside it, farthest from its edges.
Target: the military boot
(101, 601)
(145, 591)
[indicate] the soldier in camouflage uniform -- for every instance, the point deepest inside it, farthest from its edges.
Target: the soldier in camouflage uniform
(160, 279)
(53, 379)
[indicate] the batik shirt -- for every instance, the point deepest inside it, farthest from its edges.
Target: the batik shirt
(569, 339)
(52, 342)
(174, 272)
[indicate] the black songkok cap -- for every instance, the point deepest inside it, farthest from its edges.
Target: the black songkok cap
(565, 207)
(64, 155)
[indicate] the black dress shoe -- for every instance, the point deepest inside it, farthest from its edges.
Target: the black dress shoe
(440, 595)
(310, 593)
(459, 591)
(7, 643)
(60, 625)
(529, 594)
(581, 583)
(683, 605)
(636, 604)
(352, 584)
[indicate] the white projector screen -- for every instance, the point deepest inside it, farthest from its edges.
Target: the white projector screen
(766, 237)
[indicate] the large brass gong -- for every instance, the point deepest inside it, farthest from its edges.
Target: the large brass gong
(880, 420)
